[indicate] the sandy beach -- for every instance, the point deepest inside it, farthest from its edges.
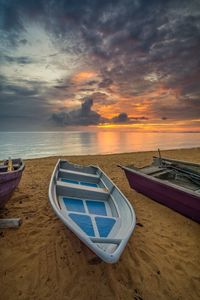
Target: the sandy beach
(42, 259)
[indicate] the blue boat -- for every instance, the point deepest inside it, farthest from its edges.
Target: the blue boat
(93, 208)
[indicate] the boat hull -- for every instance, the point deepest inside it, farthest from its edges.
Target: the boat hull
(8, 183)
(179, 200)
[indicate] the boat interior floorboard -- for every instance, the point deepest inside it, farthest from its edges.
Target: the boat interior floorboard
(94, 217)
(183, 182)
(151, 170)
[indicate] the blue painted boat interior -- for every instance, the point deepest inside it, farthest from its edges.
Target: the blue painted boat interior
(96, 210)
(104, 225)
(79, 182)
(73, 204)
(96, 207)
(84, 222)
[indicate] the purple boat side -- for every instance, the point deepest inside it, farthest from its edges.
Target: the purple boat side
(8, 183)
(179, 200)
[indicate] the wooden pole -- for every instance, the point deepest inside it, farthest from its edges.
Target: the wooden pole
(160, 158)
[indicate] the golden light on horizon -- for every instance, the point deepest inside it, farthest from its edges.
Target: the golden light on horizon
(157, 125)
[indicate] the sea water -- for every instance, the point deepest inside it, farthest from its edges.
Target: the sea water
(41, 144)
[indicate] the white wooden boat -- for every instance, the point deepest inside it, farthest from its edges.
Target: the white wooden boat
(92, 207)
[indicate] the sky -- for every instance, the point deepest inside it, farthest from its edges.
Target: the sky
(111, 64)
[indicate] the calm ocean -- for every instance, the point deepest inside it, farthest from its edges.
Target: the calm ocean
(40, 144)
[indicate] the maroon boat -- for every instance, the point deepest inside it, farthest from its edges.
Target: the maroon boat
(174, 183)
(9, 180)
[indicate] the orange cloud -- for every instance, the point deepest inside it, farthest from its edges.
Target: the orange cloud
(137, 106)
(84, 76)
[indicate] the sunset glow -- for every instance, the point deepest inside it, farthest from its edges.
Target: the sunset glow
(83, 76)
(132, 64)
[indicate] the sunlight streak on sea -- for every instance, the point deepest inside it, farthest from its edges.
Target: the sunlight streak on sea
(41, 144)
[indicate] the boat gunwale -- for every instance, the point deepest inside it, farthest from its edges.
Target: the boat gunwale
(178, 161)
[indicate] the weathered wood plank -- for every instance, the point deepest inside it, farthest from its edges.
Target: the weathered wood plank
(10, 223)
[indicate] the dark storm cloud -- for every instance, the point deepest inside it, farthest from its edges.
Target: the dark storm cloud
(66, 86)
(81, 116)
(19, 87)
(121, 118)
(10, 19)
(185, 108)
(24, 99)
(125, 41)
(86, 116)
(18, 91)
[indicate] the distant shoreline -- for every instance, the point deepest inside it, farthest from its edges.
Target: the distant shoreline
(112, 154)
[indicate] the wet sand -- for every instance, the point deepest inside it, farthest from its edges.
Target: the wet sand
(43, 260)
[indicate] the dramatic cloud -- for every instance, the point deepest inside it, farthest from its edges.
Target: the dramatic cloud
(86, 116)
(83, 116)
(131, 58)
